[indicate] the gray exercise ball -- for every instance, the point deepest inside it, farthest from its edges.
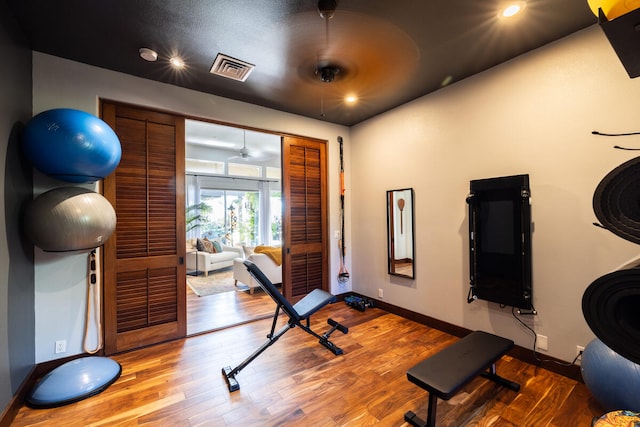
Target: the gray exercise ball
(69, 219)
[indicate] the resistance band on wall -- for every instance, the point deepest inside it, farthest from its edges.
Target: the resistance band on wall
(343, 273)
(93, 316)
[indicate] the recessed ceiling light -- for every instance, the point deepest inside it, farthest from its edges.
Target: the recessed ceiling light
(446, 81)
(148, 54)
(513, 9)
(176, 62)
(350, 99)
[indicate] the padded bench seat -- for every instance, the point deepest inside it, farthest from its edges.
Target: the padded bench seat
(446, 372)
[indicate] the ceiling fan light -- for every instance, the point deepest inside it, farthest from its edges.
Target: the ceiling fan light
(327, 74)
(327, 8)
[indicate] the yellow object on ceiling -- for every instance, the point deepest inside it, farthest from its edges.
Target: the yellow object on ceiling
(613, 8)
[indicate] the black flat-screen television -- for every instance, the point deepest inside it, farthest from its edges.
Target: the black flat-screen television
(500, 241)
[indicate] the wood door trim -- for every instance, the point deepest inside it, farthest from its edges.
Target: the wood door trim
(130, 340)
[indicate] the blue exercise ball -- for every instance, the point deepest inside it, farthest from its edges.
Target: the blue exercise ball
(71, 145)
(613, 380)
(69, 219)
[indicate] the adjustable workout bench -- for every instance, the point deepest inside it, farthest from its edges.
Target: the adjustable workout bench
(299, 312)
(447, 371)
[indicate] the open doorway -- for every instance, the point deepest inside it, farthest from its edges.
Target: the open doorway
(233, 205)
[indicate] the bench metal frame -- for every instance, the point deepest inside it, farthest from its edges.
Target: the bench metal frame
(299, 315)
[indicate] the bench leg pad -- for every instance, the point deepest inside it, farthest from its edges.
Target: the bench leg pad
(411, 418)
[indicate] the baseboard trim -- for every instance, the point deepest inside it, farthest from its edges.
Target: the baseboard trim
(10, 412)
(520, 353)
(37, 371)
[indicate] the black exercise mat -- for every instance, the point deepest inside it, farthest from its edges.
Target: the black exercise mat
(616, 201)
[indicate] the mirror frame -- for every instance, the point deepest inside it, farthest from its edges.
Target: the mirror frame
(400, 204)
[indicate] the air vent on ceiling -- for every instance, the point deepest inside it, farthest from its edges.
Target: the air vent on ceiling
(231, 68)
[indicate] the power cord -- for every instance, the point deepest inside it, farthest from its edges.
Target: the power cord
(595, 132)
(535, 341)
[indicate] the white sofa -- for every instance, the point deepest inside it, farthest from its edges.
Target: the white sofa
(264, 263)
(206, 262)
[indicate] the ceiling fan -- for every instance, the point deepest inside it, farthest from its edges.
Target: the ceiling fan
(245, 154)
(244, 151)
(358, 56)
(325, 70)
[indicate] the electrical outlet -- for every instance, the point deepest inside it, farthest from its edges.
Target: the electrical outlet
(579, 350)
(542, 342)
(380, 293)
(61, 346)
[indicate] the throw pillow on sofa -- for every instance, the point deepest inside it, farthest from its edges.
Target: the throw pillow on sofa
(205, 245)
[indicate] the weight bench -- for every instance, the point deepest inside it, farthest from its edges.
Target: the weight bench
(298, 313)
(447, 371)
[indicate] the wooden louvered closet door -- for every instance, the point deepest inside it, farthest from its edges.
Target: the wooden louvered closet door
(305, 216)
(144, 272)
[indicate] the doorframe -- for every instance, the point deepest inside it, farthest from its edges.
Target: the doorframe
(282, 136)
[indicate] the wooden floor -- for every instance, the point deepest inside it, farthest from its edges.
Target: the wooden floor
(298, 382)
(225, 309)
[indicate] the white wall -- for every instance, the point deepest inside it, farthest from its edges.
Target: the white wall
(533, 115)
(58, 83)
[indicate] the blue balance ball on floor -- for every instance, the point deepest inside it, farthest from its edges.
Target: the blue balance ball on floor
(613, 380)
(71, 145)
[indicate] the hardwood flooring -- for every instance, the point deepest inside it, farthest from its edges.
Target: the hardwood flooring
(226, 309)
(298, 382)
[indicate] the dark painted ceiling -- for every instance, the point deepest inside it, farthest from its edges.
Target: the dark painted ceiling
(388, 52)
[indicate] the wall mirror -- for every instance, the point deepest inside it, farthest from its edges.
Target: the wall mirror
(400, 234)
